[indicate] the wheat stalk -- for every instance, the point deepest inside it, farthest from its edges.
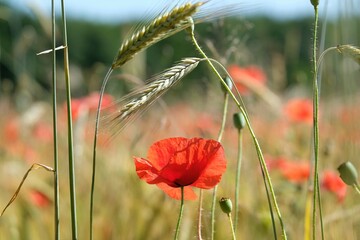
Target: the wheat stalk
(134, 103)
(163, 26)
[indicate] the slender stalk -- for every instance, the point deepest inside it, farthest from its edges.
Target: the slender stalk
(357, 188)
(237, 179)
(199, 215)
(70, 128)
(221, 132)
(256, 143)
(232, 227)
(180, 214)
(107, 76)
(320, 209)
(56, 164)
(315, 123)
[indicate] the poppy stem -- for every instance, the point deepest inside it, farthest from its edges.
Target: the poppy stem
(200, 214)
(180, 214)
(256, 143)
(316, 193)
(232, 227)
(221, 131)
(357, 188)
(237, 179)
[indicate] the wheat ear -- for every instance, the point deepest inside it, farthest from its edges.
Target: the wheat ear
(163, 26)
(136, 102)
(352, 51)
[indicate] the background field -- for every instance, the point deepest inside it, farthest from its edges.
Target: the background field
(125, 207)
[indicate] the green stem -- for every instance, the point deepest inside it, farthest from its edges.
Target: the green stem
(70, 128)
(357, 188)
(256, 143)
(55, 137)
(232, 227)
(97, 120)
(316, 125)
(200, 214)
(320, 209)
(180, 215)
(237, 179)
(221, 132)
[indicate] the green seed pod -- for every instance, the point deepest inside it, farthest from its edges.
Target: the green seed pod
(228, 83)
(239, 120)
(226, 205)
(315, 3)
(348, 173)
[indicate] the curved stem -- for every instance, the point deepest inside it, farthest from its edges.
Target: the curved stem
(180, 214)
(97, 120)
(256, 143)
(70, 128)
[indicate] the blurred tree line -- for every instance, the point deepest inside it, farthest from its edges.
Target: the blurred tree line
(281, 48)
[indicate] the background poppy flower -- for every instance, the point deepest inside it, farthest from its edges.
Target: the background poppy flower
(181, 162)
(332, 182)
(299, 110)
(251, 75)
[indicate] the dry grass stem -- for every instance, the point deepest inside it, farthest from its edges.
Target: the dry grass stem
(352, 51)
(163, 26)
(133, 104)
(33, 167)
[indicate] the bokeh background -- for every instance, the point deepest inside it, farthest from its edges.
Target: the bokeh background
(264, 43)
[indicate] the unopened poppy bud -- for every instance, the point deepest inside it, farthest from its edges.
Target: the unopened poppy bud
(239, 120)
(228, 83)
(348, 173)
(315, 3)
(226, 205)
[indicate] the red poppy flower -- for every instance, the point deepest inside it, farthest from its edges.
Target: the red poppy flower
(332, 182)
(39, 199)
(293, 171)
(244, 77)
(299, 110)
(180, 162)
(88, 104)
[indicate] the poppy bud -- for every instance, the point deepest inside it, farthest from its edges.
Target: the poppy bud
(228, 83)
(226, 205)
(239, 120)
(348, 173)
(315, 3)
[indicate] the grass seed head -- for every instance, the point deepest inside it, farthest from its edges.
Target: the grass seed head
(351, 51)
(162, 27)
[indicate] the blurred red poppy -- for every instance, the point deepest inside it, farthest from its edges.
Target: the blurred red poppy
(332, 182)
(43, 132)
(250, 75)
(293, 171)
(181, 162)
(299, 110)
(88, 104)
(39, 199)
